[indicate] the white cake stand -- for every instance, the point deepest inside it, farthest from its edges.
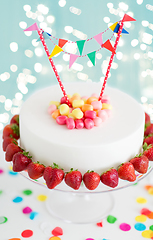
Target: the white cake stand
(82, 206)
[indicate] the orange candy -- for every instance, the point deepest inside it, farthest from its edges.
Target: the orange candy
(87, 107)
(91, 99)
(56, 113)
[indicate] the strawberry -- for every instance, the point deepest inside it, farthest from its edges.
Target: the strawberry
(148, 151)
(149, 130)
(53, 176)
(126, 171)
(15, 119)
(110, 178)
(91, 180)
(140, 163)
(73, 179)
(11, 150)
(35, 170)
(149, 139)
(11, 130)
(7, 141)
(21, 161)
(147, 120)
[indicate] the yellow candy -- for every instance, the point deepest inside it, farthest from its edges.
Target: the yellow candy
(106, 106)
(64, 109)
(77, 113)
(91, 99)
(77, 103)
(55, 114)
(76, 94)
(70, 115)
(54, 103)
(87, 107)
(85, 100)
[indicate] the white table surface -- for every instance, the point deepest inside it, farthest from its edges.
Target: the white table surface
(126, 210)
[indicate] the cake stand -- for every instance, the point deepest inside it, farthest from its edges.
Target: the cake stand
(82, 206)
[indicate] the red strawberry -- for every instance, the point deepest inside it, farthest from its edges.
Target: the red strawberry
(147, 119)
(148, 151)
(11, 130)
(35, 170)
(91, 180)
(110, 178)
(11, 150)
(149, 139)
(126, 171)
(15, 119)
(149, 130)
(140, 163)
(73, 179)
(7, 141)
(53, 176)
(21, 161)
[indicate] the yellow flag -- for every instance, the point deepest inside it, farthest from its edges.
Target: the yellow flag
(112, 27)
(55, 51)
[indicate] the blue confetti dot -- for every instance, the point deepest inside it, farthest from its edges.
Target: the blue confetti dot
(33, 215)
(140, 226)
(13, 173)
(17, 199)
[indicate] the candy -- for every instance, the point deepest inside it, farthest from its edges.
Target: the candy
(52, 108)
(77, 103)
(105, 101)
(70, 123)
(70, 115)
(64, 109)
(97, 105)
(75, 97)
(88, 123)
(95, 95)
(55, 114)
(103, 115)
(91, 99)
(106, 106)
(79, 124)
(97, 121)
(61, 120)
(77, 113)
(87, 107)
(90, 114)
(63, 100)
(54, 103)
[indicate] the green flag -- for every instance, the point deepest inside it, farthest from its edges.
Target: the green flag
(80, 45)
(91, 56)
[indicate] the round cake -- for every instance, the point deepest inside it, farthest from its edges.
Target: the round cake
(114, 142)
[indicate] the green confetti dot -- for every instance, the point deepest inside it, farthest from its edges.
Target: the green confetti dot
(151, 227)
(27, 192)
(1, 192)
(111, 219)
(3, 219)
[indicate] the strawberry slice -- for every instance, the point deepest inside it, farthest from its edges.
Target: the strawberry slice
(140, 163)
(91, 180)
(149, 130)
(149, 139)
(7, 141)
(35, 170)
(126, 171)
(148, 151)
(15, 119)
(21, 161)
(110, 178)
(73, 179)
(11, 130)
(11, 150)
(53, 176)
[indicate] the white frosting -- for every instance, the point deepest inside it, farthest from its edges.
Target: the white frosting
(112, 143)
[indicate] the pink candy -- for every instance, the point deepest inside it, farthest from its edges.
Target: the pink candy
(51, 108)
(88, 123)
(103, 115)
(97, 121)
(90, 114)
(79, 123)
(105, 101)
(70, 123)
(97, 105)
(61, 120)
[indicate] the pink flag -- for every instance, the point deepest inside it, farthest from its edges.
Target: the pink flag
(33, 27)
(73, 58)
(98, 38)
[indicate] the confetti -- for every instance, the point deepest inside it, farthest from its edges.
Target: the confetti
(125, 227)
(140, 226)
(150, 215)
(3, 219)
(150, 190)
(89, 239)
(12, 173)
(27, 210)
(141, 200)
(111, 219)
(145, 211)
(54, 238)
(1, 171)
(27, 192)
(151, 227)
(141, 218)
(100, 224)
(1, 192)
(33, 215)
(42, 198)
(57, 231)
(27, 233)
(14, 239)
(148, 186)
(17, 200)
(146, 234)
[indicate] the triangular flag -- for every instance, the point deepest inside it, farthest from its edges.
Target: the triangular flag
(33, 27)
(98, 38)
(117, 29)
(109, 46)
(73, 58)
(91, 56)
(80, 45)
(45, 35)
(112, 27)
(62, 42)
(127, 18)
(55, 51)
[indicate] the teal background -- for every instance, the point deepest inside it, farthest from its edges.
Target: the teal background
(134, 76)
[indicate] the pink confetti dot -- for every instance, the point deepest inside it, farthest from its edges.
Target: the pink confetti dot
(57, 231)
(27, 233)
(125, 227)
(27, 210)
(1, 171)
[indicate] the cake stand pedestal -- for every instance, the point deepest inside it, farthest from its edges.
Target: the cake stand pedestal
(82, 206)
